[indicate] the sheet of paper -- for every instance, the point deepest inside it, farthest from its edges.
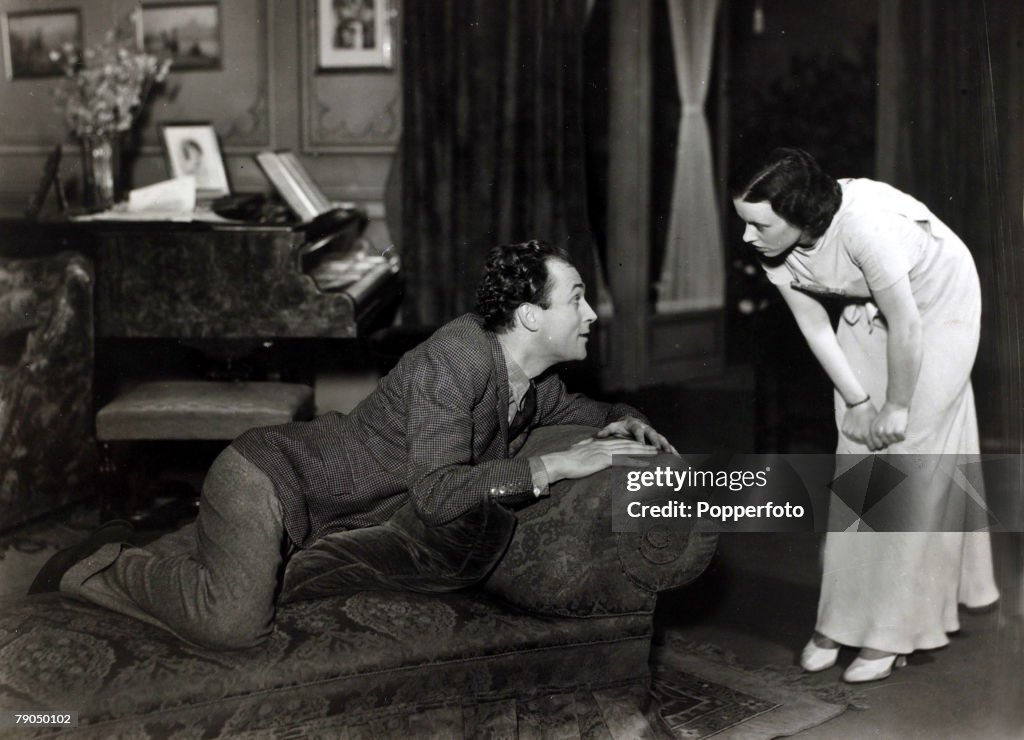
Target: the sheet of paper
(123, 215)
(176, 195)
(169, 200)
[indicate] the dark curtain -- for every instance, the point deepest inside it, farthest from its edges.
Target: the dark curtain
(492, 146)
(951, 132)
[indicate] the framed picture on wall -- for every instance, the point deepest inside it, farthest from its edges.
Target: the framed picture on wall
(193, 149)
(354, 34)
(187, 33)
(30, 37)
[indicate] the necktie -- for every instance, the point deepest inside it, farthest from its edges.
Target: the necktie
(524, 415)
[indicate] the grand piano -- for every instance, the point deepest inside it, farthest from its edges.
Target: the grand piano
(231, 292)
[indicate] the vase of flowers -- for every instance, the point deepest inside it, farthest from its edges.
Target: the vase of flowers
(100, 160)
(101, 95)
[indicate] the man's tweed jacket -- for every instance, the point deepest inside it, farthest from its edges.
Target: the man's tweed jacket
(435, 430)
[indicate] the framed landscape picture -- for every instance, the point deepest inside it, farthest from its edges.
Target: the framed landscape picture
(30, 37)
(354, 34)
(192, 149)
(187, 33)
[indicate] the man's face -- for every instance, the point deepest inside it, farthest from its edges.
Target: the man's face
(563, 328)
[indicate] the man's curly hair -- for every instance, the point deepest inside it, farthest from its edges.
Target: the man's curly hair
(515, 274)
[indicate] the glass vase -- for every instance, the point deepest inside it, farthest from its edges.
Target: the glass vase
(99, 171)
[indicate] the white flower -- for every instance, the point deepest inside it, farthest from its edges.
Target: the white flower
(103, 89)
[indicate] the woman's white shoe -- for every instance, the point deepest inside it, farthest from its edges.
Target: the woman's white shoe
(814, 658)
(863, 670)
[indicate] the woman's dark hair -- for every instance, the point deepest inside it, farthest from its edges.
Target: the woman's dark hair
(515, 274)
(795, 186)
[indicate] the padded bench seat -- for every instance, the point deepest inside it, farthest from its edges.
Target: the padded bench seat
(190, 411)
(200, 409)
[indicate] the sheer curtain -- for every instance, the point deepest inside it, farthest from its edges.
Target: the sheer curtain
(693, 270)
(492, 147)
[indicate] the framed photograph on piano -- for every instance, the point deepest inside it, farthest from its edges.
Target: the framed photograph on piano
(191, 148)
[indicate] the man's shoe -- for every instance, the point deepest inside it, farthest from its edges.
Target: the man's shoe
(50, 575)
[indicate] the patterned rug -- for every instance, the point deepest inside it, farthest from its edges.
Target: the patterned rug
(702, 691)
(697, 691)
(708, 699)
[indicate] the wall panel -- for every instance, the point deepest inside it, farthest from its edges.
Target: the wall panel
(343, 111)
(236, 98)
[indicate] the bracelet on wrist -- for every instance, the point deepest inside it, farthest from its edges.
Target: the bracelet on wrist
(859, 403)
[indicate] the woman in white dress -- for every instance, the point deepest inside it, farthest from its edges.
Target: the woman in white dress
(900, 361)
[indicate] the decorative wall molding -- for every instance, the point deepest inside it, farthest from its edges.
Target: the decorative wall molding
(328, 124)
(33, 150)
(34, 138)
(346, 112)
(249, 123)
(259, 116)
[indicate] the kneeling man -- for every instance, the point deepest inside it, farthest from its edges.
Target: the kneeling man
(414, 486)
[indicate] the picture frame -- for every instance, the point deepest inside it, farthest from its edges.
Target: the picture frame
(355, 34)
(192, 148)
(29, 37)
(189, 34)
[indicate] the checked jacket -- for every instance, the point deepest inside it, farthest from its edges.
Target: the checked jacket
(435, 431)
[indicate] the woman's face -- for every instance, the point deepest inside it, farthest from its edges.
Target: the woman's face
(768, 232)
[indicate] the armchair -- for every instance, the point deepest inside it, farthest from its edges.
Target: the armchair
(46, 341)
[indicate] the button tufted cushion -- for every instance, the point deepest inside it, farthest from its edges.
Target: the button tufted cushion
(185, 409)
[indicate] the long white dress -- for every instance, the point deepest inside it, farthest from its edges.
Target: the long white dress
(898, 591)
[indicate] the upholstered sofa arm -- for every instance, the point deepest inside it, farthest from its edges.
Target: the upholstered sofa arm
(46, 358)
(564, 558)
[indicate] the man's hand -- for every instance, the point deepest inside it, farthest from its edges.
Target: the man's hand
(591, 456)
(630, 427)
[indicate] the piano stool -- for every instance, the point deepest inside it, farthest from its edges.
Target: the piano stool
(182, 410)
